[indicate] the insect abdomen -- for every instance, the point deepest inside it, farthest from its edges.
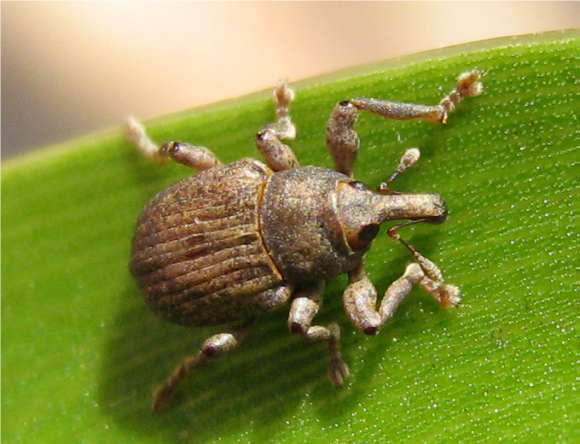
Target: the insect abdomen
(197, 252)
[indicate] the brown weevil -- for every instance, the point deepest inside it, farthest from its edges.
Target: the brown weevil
(234, 241)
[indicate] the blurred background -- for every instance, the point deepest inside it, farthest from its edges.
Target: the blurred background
(70, 68)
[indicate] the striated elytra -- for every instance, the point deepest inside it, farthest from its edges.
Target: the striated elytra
(234, 241)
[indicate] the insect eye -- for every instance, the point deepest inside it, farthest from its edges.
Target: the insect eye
(358, 185)
(368, 233)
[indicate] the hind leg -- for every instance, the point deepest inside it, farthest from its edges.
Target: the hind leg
(195, 157)
(213, 347)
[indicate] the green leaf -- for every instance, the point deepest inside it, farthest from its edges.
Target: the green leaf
(82, 352)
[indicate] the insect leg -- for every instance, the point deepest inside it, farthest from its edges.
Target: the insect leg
(213, 347)
(431, 277)
(304, 307)
(268, 140)
(446, 295)
(343, 142)
(360, 296)
(196, 157)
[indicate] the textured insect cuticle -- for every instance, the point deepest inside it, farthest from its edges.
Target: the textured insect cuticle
(232, 242)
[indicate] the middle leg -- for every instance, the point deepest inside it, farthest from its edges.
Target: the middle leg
(304, 307)
(269, 139)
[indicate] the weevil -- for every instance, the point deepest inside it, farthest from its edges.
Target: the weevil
(225, 245)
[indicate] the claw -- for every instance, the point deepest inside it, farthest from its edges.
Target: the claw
(448, 295)
(338, 372)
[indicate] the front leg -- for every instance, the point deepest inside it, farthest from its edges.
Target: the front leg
(304, 307)
(360, 297)
(343, 142)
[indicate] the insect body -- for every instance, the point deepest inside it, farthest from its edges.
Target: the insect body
(235, 241)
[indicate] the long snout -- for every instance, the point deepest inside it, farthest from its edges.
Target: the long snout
(428, 206)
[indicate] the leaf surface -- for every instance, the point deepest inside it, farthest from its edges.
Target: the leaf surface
(82, 352)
